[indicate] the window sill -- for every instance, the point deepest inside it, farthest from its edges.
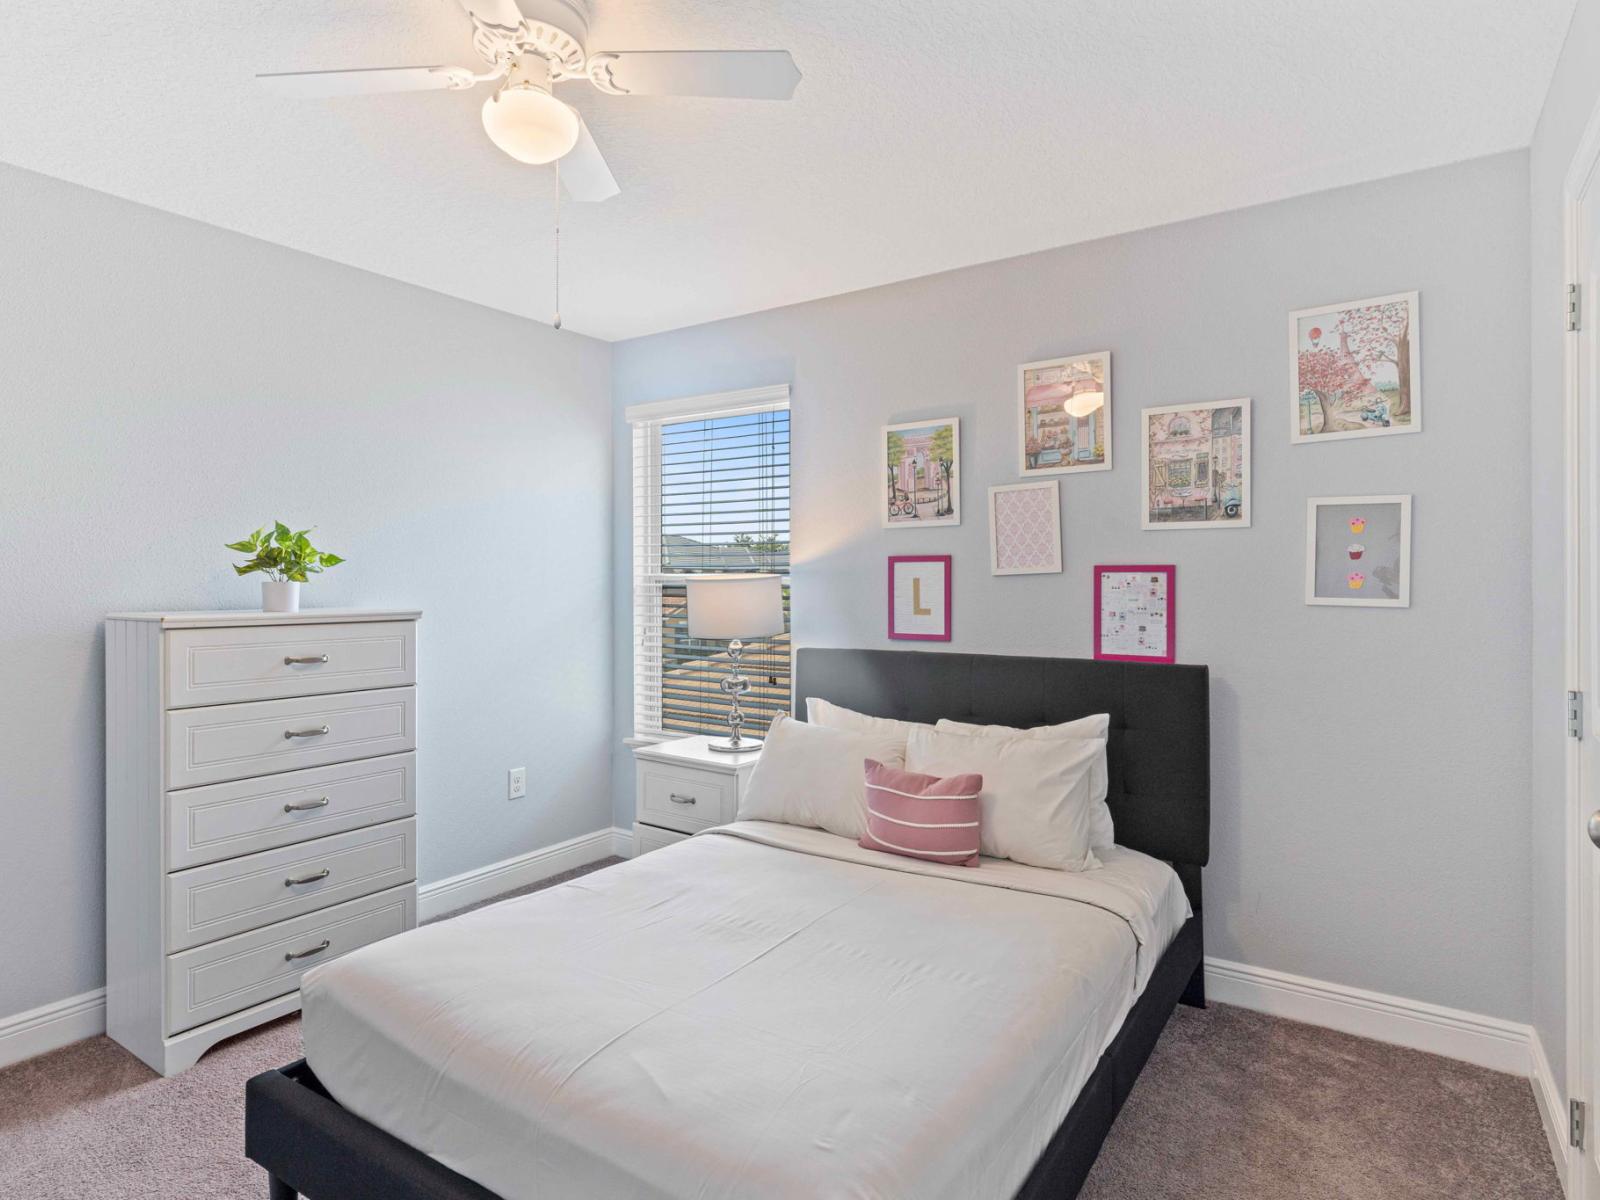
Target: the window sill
(648, 739)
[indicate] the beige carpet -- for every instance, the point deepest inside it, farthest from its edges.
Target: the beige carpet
(1232, 1106)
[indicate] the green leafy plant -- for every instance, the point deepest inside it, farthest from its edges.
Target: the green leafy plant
(286, 555)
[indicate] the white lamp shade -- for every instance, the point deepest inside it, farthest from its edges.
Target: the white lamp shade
(724, 607)
(530, 124)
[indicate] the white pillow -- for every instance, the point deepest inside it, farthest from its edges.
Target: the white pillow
(1102, 833)
(834, 716)
(1036, 792)
(814, 776)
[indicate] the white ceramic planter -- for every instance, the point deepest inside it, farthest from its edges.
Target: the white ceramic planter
(279, 597)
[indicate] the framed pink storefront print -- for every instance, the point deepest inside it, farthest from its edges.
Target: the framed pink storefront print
(1064, 415)
(1136, 613)
(919, 597)
(1025, 528)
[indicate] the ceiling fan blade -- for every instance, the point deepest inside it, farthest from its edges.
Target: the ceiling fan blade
(503, 13)
(735, 74)
(367, 81)
(584, 173)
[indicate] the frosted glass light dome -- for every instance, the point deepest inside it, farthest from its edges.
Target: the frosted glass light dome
(530, 124)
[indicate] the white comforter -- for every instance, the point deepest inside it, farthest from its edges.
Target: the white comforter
(760, 1011)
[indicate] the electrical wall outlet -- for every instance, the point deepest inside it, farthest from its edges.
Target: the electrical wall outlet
(517, 783)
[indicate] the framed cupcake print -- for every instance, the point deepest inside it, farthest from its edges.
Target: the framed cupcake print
(922, 486)
(1195, 468)
(1064, 415)
(1355, 369)
(1358, 551)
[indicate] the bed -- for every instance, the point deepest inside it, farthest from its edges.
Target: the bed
(766, 1010)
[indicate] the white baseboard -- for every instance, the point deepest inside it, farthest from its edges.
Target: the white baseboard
(1450, 1032)
(51, 1026)
(470, 887)
(1552, 1108)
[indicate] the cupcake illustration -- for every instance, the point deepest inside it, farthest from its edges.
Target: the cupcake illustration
(1355, 550)
(1358, 525)
(1356, 580)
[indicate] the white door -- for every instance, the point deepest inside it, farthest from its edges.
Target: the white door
(1584, 835)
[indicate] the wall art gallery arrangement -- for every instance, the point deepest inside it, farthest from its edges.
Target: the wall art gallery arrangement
(1355, 371)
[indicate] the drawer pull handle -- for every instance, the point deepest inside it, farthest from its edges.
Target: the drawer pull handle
(291, 955)
(317, 732)
(312, 878)
(677, 799)
(306, 805)
(304, 659)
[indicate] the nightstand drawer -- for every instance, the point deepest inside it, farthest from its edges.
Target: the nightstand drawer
(205, 903)
(265, 662)
(647, 838)
(686, 800)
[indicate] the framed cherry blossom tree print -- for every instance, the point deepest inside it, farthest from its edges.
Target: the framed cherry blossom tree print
(1355, 369)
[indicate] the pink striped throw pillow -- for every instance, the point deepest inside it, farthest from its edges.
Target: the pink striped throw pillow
(922, 816)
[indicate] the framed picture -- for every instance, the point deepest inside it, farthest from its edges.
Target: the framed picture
(919, 597)
(1358, 551)
(1025, 528)
(1064, 415)
(923, 487)
(1195, 469)
(1355, 369)
(1135, 613)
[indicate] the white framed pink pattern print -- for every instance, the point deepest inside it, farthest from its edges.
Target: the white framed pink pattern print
(1025, 528)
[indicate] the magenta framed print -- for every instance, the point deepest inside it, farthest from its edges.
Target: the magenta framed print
(919, 597)
(1135, 613)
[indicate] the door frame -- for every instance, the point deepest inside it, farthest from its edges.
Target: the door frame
(1579, 426)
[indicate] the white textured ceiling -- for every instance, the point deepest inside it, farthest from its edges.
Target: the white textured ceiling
(925, 135)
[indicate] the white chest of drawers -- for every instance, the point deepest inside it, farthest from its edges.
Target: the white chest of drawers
(260, 812)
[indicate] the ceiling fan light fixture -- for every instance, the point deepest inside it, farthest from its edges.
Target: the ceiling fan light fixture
(1084, 403)
(530, 124)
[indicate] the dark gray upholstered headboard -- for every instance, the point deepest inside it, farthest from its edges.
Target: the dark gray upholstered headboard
(1160, 749)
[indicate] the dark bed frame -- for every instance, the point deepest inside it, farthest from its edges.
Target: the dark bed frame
(1160, 797)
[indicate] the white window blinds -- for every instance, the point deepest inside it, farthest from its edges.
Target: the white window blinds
(710, 494)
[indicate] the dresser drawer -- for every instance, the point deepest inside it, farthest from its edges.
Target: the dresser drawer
(684, 799)
(226, 666)
(237, 741)
(233, 974)
(215, 901)
(225, 820)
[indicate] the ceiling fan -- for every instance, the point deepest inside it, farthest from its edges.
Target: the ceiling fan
(537, 43)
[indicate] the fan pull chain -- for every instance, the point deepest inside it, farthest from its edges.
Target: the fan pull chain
(558, 243)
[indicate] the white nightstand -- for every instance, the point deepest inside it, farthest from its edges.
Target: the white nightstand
(683, 788)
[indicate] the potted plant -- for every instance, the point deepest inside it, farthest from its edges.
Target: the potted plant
(288, 558)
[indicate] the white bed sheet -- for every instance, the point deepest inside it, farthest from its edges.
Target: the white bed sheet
(761, 1010)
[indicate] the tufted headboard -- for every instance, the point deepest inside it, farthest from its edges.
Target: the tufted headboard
(1159, 753)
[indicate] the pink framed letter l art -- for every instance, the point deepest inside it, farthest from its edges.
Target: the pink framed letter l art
(1136, 613)
(919, 597)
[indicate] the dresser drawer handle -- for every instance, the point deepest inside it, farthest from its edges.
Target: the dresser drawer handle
(306, 805)
(291, 955)
(677, 799)
(294, 733)
(304, 659)
(312, 878)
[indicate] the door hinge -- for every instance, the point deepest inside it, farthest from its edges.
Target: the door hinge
(1577, 1112)
(1575, 714)
(1574, 307)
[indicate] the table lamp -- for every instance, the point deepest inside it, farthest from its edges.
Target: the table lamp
(730, 608)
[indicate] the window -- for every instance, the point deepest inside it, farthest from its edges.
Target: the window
(710, 494)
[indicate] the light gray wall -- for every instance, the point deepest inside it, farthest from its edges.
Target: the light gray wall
(164, 387)
(1573, 94)
(1371, 766)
